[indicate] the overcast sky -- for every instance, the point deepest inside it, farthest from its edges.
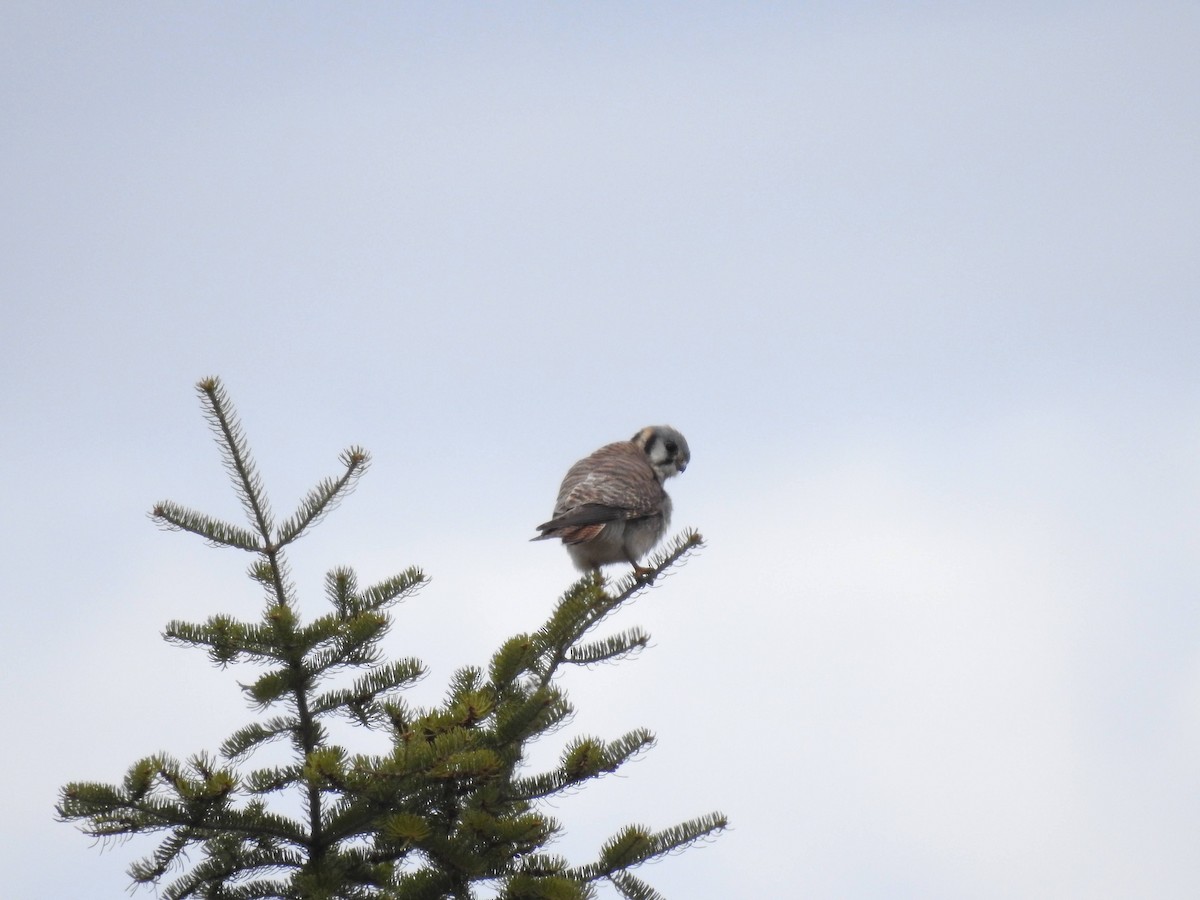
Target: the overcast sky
(921, 286)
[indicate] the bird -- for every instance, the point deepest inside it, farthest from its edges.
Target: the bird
(611, 506)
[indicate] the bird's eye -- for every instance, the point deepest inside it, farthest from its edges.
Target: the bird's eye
(672, 447)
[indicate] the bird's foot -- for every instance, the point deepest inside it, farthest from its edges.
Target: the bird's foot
(643, 574)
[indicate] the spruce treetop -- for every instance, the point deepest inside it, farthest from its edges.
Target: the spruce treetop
(449, 810)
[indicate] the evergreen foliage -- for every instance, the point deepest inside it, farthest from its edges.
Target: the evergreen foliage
(451, 809)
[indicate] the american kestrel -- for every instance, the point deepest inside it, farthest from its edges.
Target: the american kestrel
(612, 506)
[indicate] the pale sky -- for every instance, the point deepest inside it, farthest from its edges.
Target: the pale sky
(921, 287)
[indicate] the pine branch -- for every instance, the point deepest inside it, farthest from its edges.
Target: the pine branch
(680, 547)
(423, 884)
(584, 759)
(398, 587)
(272, 686)
(235, 453)
(618, 646)
(173, 517)
(229, 640)
(191, 803)
(586, 605)
(324, 497)
(634, 845)
(256, 734)
(270, 780)
(231, 860)
(588, 757)
(515, 657)
(633, 888)
(680, 837)
(153, 867)
(522, 718)
(359, 699)
(544, 887)
(336, 641)
(341, 589)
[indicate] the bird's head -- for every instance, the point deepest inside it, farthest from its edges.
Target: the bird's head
(666, 448)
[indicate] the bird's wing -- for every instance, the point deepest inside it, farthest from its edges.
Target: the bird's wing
(616, 482)
(587, 515)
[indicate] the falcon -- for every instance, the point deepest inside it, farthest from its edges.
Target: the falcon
(612, 507)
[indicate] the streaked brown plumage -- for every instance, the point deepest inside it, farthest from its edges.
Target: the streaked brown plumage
(612, 506)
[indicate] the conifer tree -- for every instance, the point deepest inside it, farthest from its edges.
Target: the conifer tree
(450, 811)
